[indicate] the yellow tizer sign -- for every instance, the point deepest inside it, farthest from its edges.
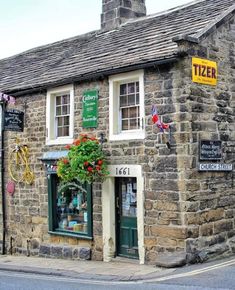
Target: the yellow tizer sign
(204, 71)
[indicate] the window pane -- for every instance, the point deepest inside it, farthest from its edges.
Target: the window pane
(131, 88)
(123, 101)
(60, 121)
(65, 131)
(58, 111)
(65, 110)
(125, 113)
(66, 120)
(131, 100)
(124, 124)
(137, 99)
(58, 100)
(65, 99)
(59, 132)
(133, 112)
(137, 87)
(128, 197)
(133, 124)
(123, 90)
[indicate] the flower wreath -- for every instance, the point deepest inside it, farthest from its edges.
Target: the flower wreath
(85, 161)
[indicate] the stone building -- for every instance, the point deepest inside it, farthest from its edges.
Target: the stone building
(170, 192)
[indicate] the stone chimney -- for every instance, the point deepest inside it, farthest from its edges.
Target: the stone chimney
(116, 12)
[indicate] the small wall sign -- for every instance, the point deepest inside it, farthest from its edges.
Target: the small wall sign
(215, 167)
(204, 71)
(122, 170)
(90, 109)
(14, 120)
(210, 150)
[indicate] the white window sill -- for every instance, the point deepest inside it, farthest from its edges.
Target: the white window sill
(60, 141)
(137, 135)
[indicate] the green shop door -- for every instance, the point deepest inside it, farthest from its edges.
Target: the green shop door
(126, 217)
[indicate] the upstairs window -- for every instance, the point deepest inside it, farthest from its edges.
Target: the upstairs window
(126, 93)
(60, 115)
(129, 106)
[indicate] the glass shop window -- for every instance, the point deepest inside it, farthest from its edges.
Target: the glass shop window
(70, 209)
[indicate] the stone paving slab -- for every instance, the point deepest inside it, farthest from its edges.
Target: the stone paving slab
(114, 270)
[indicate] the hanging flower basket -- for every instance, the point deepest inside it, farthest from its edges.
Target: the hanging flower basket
(85, 161)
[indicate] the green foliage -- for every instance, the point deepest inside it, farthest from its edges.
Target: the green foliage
(74, 185)
(85, 161)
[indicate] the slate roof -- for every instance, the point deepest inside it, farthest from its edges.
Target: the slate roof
(135, 44)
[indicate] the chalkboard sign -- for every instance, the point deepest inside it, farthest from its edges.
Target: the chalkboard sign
(90, 109)
(14, 120)
(210, 150)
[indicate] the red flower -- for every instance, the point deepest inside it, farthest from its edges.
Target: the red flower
(98, 168)
(93, 139)
(68, 147)
(65, 161)
(86, 163)
(76, 142)
(89, 168)
(100, 162)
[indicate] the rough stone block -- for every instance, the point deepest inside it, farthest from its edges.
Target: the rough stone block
(67, 252)
(85, 253)
(223, 226)
(44, 250)
(171, 260)
(56, 251)
(169, 232)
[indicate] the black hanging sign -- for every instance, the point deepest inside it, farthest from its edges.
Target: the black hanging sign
(14, 120)
(210, 150)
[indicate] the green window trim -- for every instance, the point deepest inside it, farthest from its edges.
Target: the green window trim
(72, 235)
(52, 219)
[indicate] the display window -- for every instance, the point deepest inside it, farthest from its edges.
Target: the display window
(70, 210)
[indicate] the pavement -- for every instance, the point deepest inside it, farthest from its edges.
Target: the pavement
(117, 270)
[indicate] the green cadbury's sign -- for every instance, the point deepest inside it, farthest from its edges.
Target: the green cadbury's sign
(90, 109)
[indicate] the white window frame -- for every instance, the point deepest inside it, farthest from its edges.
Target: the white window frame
(115, 132)
(51, 138)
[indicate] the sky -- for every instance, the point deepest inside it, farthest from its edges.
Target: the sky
(25, 24)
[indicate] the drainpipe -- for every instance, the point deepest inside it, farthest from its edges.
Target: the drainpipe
(3, 105)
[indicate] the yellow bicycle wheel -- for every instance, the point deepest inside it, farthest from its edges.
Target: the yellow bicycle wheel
(28, 176)
(16, 166)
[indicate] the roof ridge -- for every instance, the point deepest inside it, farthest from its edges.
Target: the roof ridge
(164, 12)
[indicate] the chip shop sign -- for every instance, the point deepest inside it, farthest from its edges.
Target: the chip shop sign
(204, 71)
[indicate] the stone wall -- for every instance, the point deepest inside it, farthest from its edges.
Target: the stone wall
(208, 198)
(185, 210)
